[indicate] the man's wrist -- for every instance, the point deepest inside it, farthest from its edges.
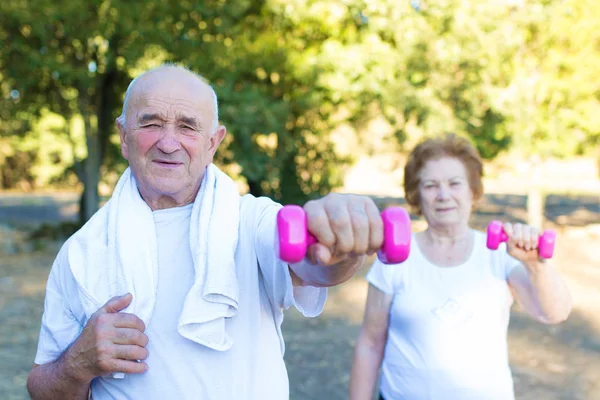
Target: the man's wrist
(71, 370)
(296, 280)
(305, 273)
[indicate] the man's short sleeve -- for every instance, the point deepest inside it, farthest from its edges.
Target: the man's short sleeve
(59, 326)
(276, 273)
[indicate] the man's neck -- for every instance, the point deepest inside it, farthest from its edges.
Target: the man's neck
(165, 201)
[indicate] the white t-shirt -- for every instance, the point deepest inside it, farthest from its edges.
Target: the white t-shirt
(179, 368)
(447, 327)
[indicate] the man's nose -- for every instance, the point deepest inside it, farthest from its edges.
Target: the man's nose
(169, 140)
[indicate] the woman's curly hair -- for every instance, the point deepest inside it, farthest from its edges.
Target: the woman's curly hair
(449, 145)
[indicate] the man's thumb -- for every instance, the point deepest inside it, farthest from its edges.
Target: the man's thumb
(318, 254)
(117, 303)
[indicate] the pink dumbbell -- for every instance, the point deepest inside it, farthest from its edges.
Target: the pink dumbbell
(294, 238)
(496, 235)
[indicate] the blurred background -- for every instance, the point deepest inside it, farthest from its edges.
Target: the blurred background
(317, 96)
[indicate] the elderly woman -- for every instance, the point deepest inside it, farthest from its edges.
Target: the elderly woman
(437, 323)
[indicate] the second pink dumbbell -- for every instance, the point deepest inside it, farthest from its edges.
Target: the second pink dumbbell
(294, 238)
(496, 235)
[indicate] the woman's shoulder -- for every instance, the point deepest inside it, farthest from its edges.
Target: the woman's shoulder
(480, 237)
(391, 278)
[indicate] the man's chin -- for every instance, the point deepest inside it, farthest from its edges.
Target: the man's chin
(169, 187)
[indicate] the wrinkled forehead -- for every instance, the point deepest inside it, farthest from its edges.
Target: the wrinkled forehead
(171, 93)
(443, 168)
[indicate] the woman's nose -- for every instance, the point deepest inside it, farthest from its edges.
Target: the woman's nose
(443, 192)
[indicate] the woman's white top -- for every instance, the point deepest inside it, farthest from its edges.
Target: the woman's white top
(447, 336)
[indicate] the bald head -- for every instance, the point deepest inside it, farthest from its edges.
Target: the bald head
(169, 76)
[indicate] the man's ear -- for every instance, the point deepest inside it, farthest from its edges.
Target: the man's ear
(216, 139)
(122, 132)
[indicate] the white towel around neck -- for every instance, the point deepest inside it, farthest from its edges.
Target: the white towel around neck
(115, 253)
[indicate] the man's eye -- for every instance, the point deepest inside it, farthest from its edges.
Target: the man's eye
(187, 127)
(150, 126)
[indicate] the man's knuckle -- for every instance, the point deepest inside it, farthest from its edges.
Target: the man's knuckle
(137, 336)
(310, 206)
(128, 352)
(361, 249)
(99, 332)
(345, 245)
(104, 319)
(376, 224)
(360, 223)
(339, 220)
(104, 364)
(103, 350)
(318, 223)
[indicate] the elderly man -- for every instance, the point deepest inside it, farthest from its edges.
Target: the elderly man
(173, 289)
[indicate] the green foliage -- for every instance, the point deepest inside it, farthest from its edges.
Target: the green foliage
(277, 69)
(263, 63)
(288, 73)
(556, 109)
(506, 75)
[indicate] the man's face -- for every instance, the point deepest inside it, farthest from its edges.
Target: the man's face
(167, 137)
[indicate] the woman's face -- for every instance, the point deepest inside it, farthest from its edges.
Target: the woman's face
(446, 196)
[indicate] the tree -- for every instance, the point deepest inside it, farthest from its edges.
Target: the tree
(276, 73)
(76, 59)
(69, 58)
(287, 74)
(556, 95)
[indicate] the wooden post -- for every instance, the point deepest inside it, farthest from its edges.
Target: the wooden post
(536, 197)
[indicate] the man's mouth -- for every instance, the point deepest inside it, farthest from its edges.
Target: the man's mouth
(167, 163)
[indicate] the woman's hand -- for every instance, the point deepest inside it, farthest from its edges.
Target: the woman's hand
(523, 243)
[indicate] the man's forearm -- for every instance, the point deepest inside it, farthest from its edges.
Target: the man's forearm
(550, 292)
(53, 381)
(306, 274)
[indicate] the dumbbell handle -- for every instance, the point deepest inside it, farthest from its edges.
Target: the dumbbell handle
(294, 239)
(496, 235)
(310, 239)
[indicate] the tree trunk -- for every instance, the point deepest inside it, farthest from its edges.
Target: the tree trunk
(291, 191)
(255, 188)
(535, 199)
(91, 169)
(108, 99)
(97, 141)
